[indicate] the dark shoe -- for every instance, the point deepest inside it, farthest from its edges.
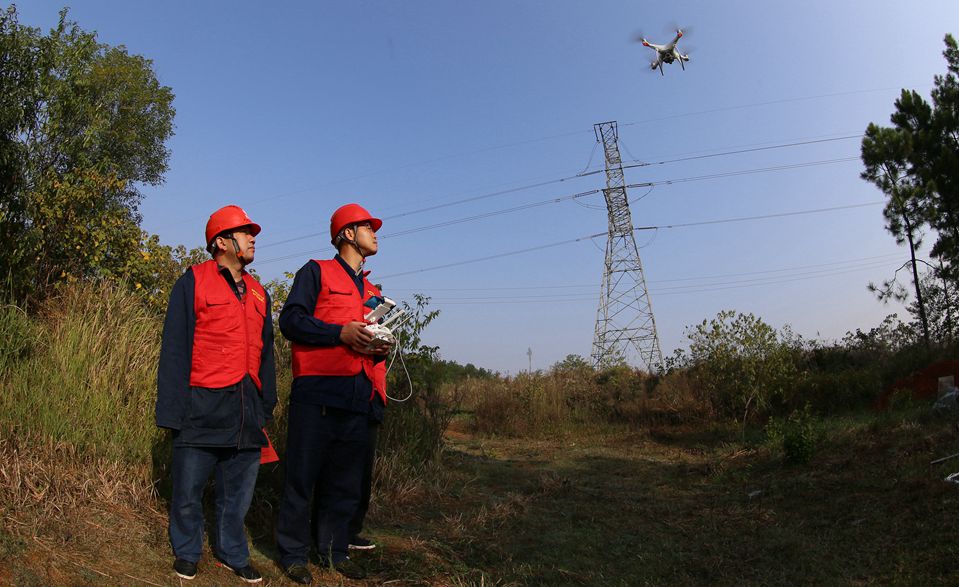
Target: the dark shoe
(299, 574)
(184, 568)
(360, 543)
(350, 569)
(247, 573)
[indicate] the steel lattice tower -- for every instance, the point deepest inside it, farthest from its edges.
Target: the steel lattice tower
(625, 315)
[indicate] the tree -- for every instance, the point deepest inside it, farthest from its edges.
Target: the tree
(941, 306)
(571, 363)
(916, 163)
(156, 267)
(935, 159)
(885, 154)
(82, 125)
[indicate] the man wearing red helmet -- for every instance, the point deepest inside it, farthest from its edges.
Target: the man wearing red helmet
(216, 389)
(338, 394)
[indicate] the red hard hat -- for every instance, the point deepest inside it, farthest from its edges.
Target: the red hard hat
(351, 214)
(226, 218)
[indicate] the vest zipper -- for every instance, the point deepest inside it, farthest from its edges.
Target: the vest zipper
(246, 353)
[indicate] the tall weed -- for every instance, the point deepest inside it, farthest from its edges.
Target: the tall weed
(16, 336)
(90, 379)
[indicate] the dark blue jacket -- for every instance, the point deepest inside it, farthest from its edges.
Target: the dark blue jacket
(228, 417)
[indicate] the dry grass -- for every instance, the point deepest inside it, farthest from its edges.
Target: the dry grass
(570, 402)
(44, 480)
(83, 469)
(65, 516)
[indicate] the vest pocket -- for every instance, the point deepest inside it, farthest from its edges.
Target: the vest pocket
(338, 306)
(220, 314)
(340, 298)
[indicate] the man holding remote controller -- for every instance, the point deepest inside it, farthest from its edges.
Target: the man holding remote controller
(338, 394)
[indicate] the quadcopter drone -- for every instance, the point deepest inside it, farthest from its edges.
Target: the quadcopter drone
(667, 53)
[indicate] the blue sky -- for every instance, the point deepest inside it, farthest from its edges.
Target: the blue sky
(292, 109)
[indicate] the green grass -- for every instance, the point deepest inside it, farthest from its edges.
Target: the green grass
(89, 377)
(689, 507)
(675, 505)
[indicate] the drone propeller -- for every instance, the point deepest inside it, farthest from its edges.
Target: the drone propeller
(653, 67)
(638, 37)
(675, 28)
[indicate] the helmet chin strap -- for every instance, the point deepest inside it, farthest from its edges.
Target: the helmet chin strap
(236, 248)
(355, 245)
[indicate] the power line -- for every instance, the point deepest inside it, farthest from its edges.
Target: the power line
(453, 221)
(559, 199)
(585, 174)
(493, 213)
(418, 163)
(755, 149)
(772, 143)
(725, 153)
(762, 217)
(743, 172)
(598, 234)
(756, 104)
(567, 134)
(858, 260)
(439, 206)
(776, 279)
(872, 259)
(659, 292)
(697, 286)
(497, 256)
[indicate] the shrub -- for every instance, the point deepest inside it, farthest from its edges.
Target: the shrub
(412, 434)
(837, 391)
(796, 435)
(742, 363)
(677, 398)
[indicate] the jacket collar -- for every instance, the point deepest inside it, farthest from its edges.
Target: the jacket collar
(349, 270)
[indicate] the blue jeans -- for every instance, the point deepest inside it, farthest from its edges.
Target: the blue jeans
(325, 453)
(235, 478)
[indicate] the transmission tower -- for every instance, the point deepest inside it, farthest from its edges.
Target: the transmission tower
(625, 315)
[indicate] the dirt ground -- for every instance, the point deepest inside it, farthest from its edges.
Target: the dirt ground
(670, 506)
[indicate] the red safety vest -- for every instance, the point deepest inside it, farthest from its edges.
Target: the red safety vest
(379, 379)
(228, 335)
(339, 303)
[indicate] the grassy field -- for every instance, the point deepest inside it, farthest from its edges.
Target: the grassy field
(571, 477)
(662, 506)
